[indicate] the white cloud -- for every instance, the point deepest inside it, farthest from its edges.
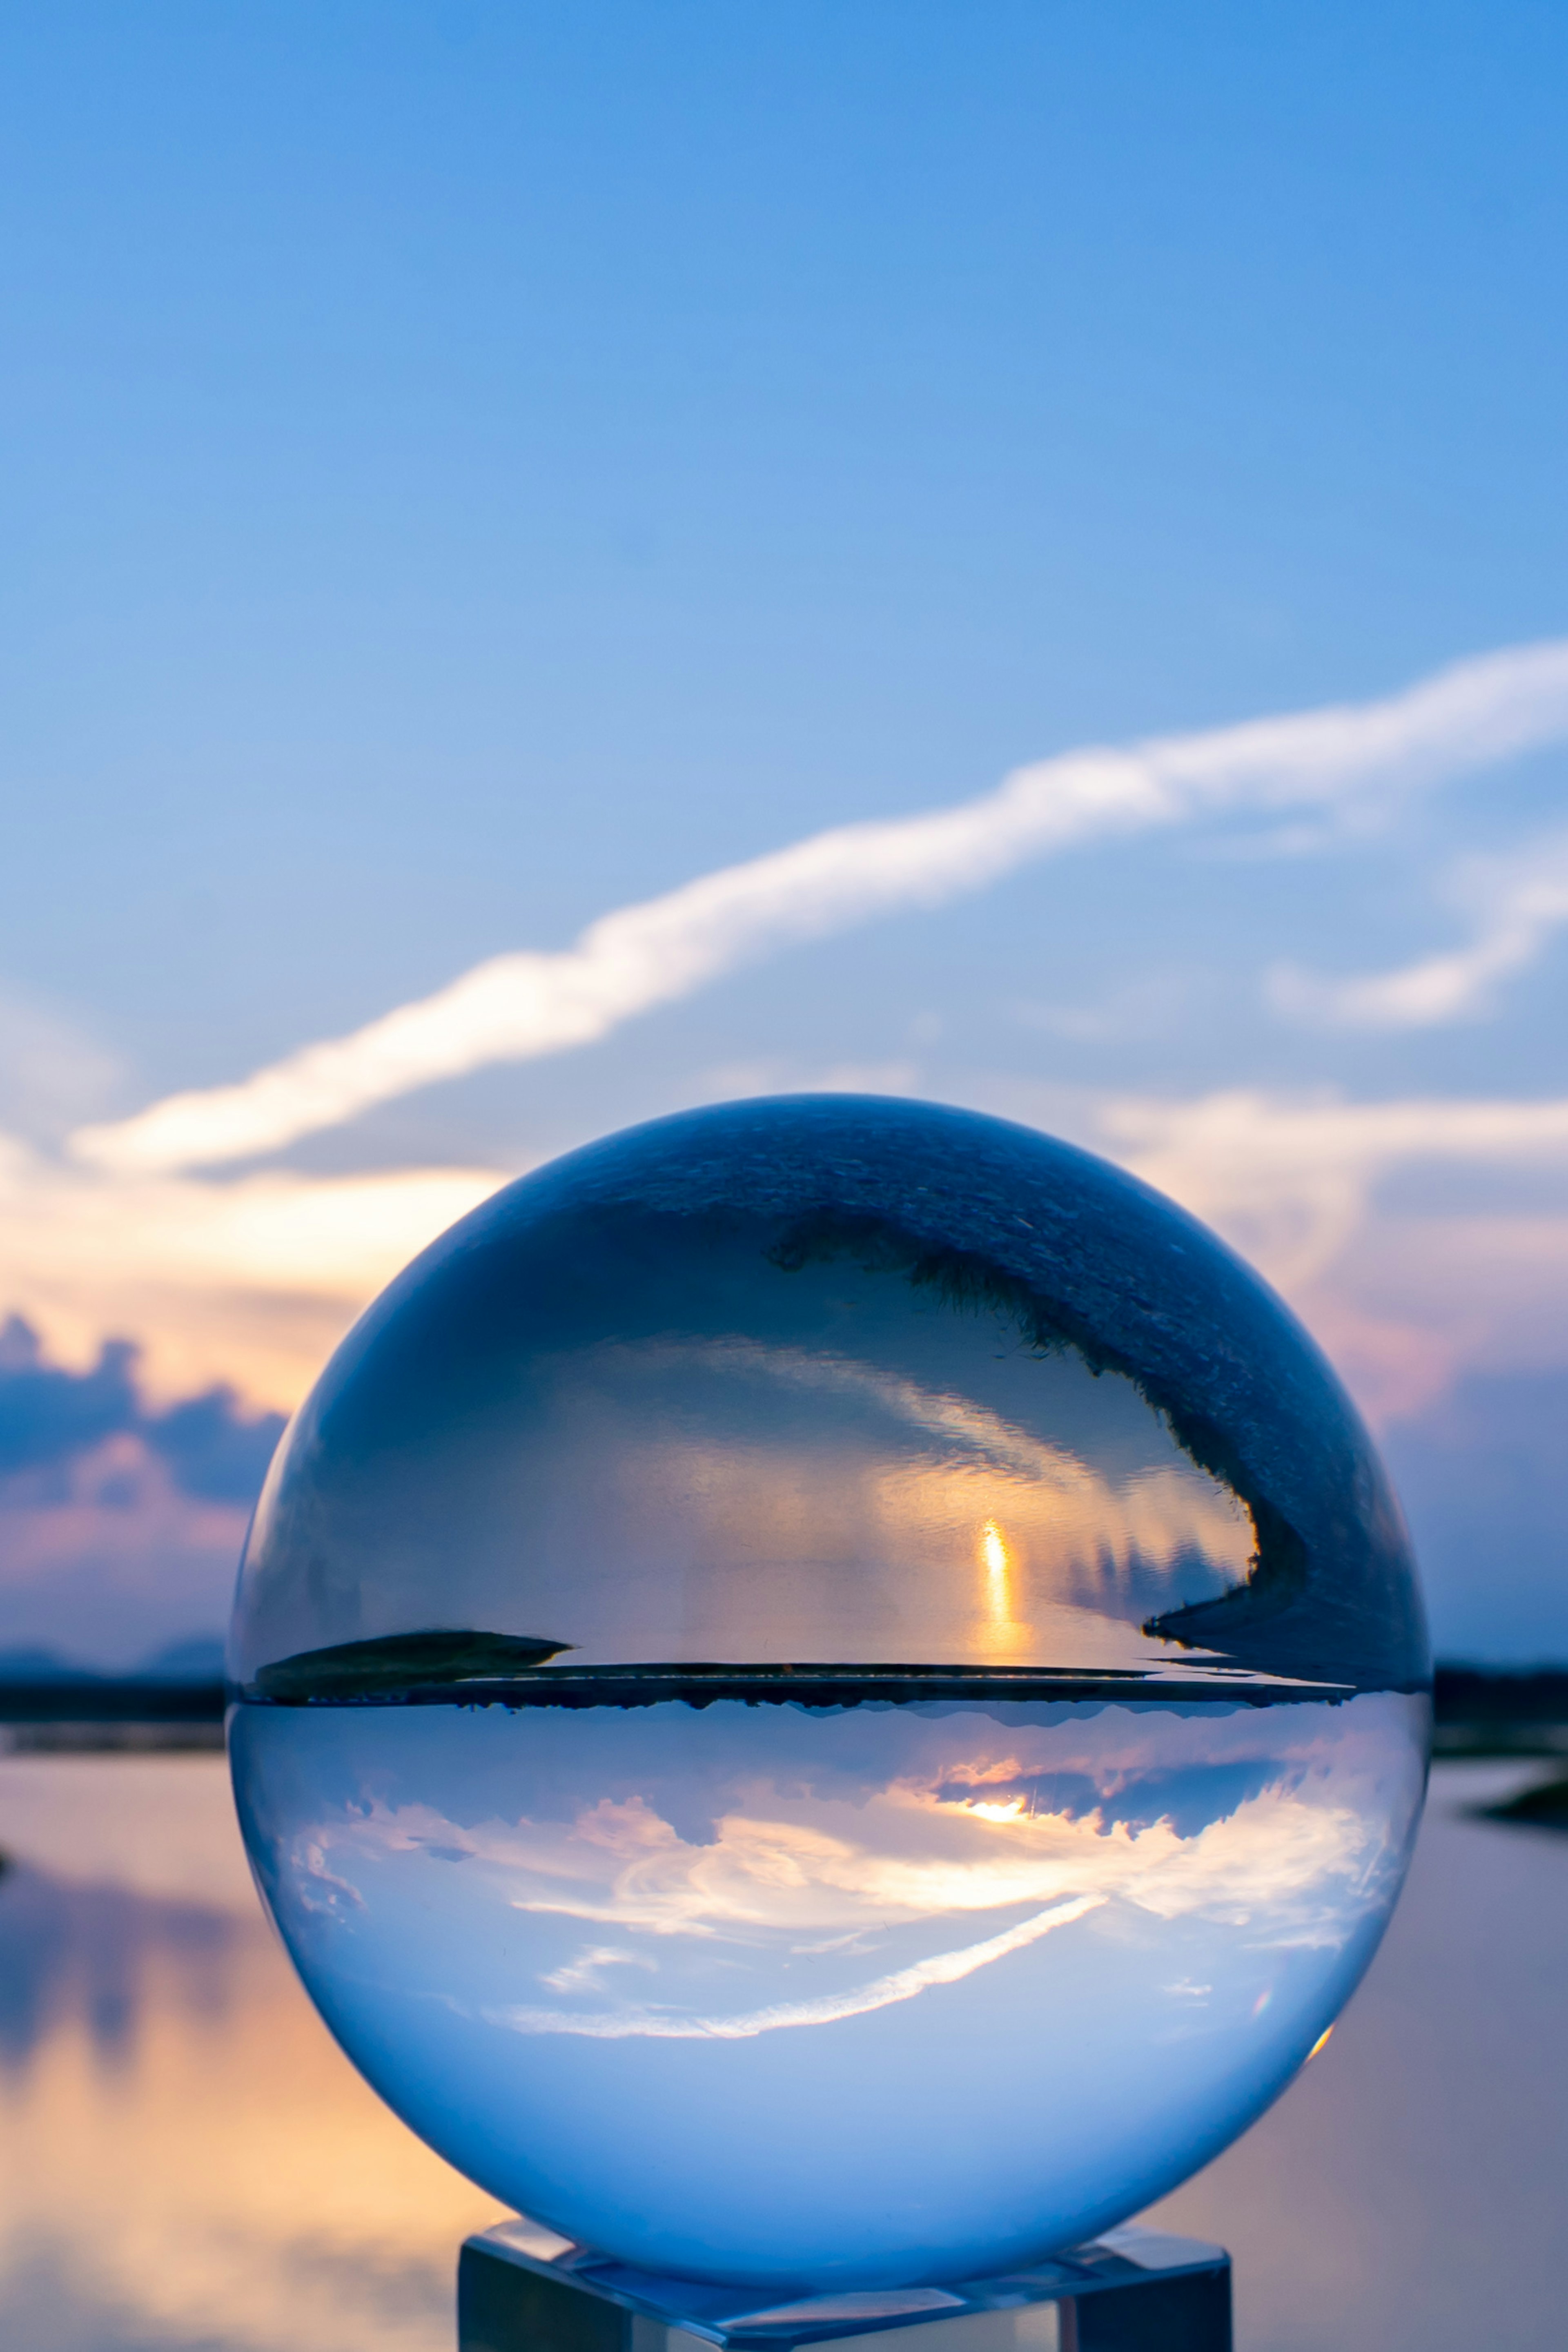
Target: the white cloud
(827, 2008)
(1289, 1177)
(521, 1005)
(1400, 1299)
(252, 1281)
(1518, 904)
(950, 1836)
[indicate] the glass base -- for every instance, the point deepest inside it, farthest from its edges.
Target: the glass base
(520, 2288)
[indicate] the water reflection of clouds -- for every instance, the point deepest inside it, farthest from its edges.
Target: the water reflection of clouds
(798, 1461)
(185, 2158)
(158, 1826)
(954, 1423)
(81, 1957)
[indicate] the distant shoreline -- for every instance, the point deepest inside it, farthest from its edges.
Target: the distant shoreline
(103, 1699)
(1479, 1710)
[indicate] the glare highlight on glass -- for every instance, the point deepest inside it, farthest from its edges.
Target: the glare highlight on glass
(830, 1693)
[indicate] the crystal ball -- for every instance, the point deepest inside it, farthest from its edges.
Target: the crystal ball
(829, 1693)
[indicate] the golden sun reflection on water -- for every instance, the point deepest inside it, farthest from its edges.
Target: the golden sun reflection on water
(996, 1563)
(994, 1555)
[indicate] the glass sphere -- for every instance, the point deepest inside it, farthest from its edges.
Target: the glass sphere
(829, 1693)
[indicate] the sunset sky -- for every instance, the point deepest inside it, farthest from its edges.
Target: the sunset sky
(585, 562)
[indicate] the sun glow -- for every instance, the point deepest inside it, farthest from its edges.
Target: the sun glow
(994, 1559)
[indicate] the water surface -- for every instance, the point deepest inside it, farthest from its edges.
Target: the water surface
(865, 1994)
(188, 2165)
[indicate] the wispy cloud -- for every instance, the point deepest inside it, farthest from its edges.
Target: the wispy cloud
(251, 1282)
(1137, 1817)
(521, 1005)
(1401, 1299)
(1292, 1174)
(1516, 904)
(828, 2009)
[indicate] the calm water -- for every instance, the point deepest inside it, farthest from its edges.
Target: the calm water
(188, 2164)
(603, 1955)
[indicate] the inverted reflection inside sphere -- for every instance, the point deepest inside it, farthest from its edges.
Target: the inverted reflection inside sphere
(831, 1694)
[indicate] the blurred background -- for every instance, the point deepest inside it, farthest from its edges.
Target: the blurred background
(471, 471)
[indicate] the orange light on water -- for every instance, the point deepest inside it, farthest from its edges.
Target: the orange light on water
(996, 1563)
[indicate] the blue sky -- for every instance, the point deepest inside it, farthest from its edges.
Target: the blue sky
(467, 469)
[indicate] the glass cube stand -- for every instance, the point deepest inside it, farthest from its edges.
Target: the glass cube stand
(520, 2288)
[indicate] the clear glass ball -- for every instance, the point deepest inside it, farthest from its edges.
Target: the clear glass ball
(829, 1692)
